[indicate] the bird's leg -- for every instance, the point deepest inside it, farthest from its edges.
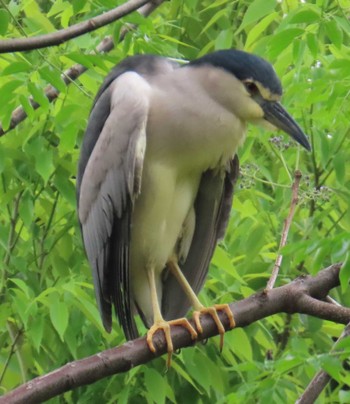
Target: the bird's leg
(160, 324)
(199, 309)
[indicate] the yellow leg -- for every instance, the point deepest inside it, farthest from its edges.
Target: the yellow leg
(161, 324)
(198, 307)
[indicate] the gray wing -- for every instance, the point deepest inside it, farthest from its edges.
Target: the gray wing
(141, 64)
(212, 210)
(107, 187)
(109, 179)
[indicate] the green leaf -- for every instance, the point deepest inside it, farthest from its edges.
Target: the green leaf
(65, 188)
(35, 19)
(342, 22)
(325, 150)
(199, 370)
(17, 67)
(314, 324)
(334, 33)
(44, 164)
(332, 366)
(58, 314)
(256, 10)
(344, 397)
(245, 348)
(255, 240)
(23, 286)
(222, 260)
(57, 8)
(36, 332)
(38, 95)
(174, 40)
(258, 29)
(123, 397)
(184, 375)
(214, 4)
(343, 344)
(312, 44)
(4, 21)
(339, 164)
(26, 209)
(78, 5)
(27, 106)
(224, 39)
(155, 385)
(83, 303)
(344, 275)
(53, 77)
(343, 64)
(220, 14)
(287, 364)
(305, 16)
(282, 40)
(20, 303)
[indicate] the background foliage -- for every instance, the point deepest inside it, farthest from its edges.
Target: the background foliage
(48, 313)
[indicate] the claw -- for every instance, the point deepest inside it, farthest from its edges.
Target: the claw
(212, 311)
(165, 327)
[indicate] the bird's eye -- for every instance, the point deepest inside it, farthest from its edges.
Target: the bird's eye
(251, 88)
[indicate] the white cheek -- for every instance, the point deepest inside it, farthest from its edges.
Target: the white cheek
(249, 110)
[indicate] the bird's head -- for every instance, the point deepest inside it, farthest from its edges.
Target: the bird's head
(258, 102)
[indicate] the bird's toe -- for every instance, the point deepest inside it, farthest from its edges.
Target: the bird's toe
(213, 312)
(165, 326)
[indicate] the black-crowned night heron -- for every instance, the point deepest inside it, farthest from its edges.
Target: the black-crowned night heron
(155, 179)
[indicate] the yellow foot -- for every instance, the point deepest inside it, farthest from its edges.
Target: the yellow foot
(212, 311)
(165, 326)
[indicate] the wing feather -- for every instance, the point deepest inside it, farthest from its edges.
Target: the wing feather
(107, 189)
(109, 180)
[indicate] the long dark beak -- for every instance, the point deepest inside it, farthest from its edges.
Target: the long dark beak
(279, 117)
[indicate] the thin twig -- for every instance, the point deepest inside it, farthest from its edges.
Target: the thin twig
(11, 242)
(321, 379)
(330, 299)
(12, 351)
(14, 335)
(13, 222)
(63, 35)
(334, 225)
(286, 227)
(46, 232)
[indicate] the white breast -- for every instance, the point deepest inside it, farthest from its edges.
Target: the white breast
(188, 133)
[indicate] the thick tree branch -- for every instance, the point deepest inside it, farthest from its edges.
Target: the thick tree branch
(300, 296)
(63, 35)
(75, 71)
